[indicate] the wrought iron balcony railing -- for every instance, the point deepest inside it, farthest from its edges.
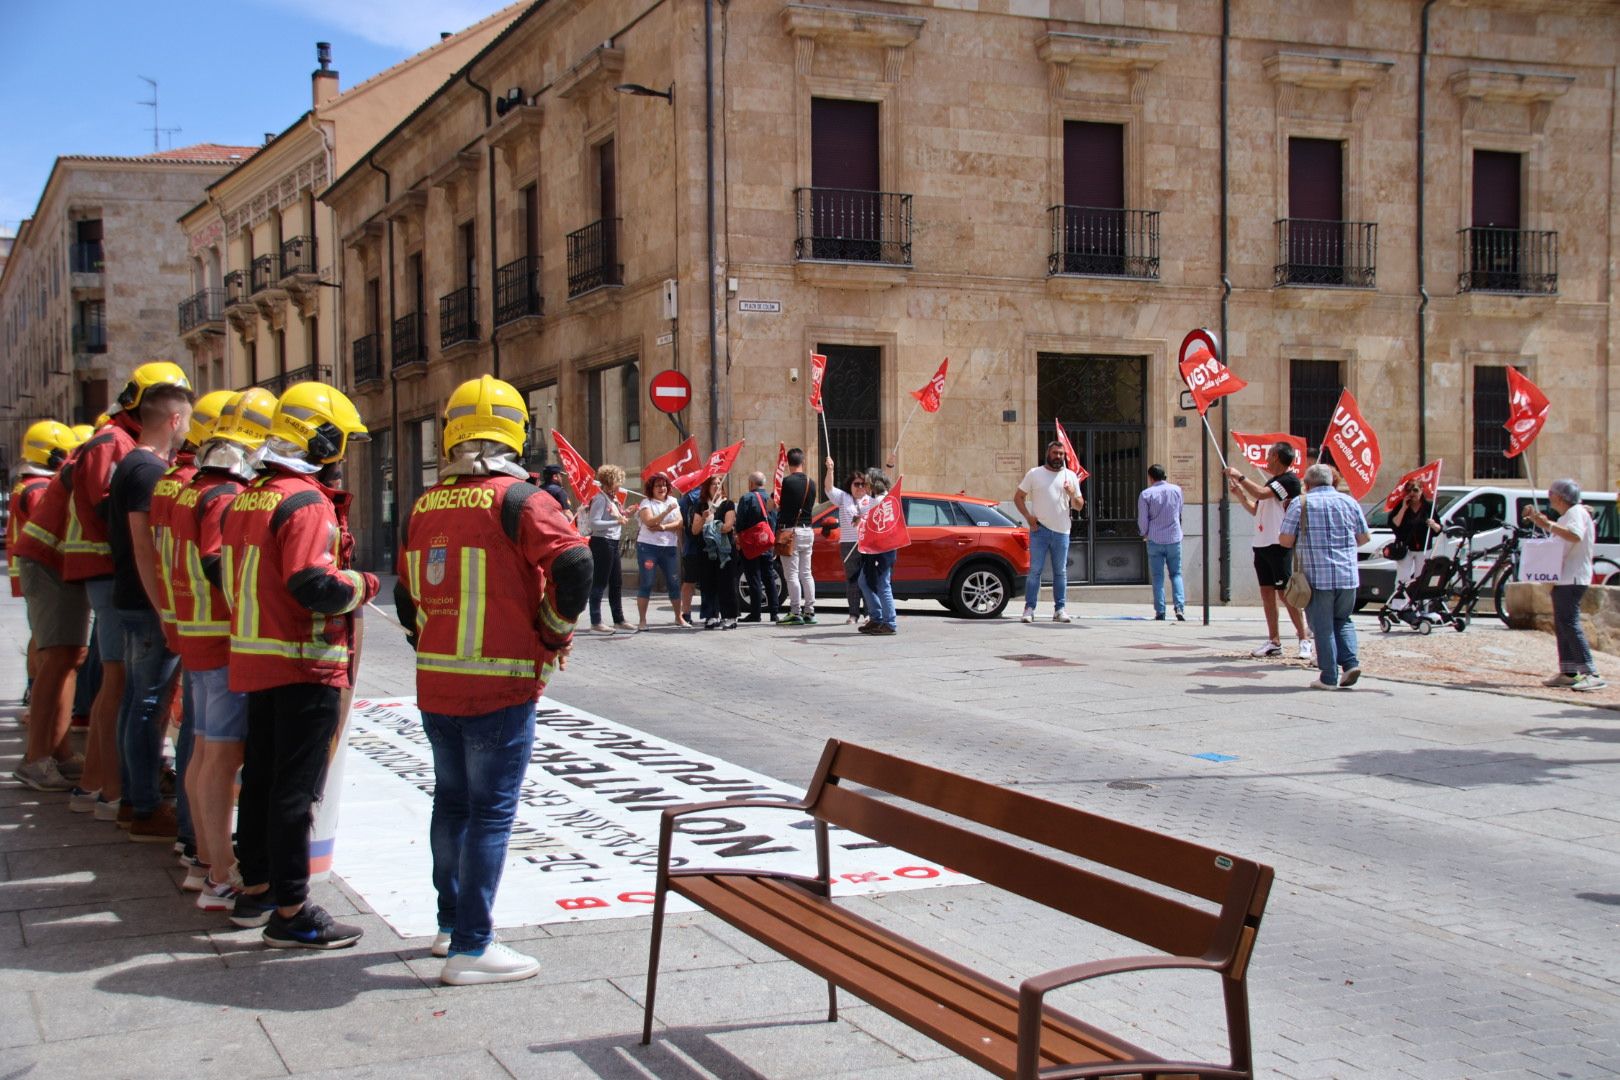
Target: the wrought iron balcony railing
(458, 317)
(1313, 252)
(407, 339)
(86, 257)
(367, 358)
(266, 272)
(201, 308)
(298, 256)
(274, 383)
(593, 257)
(236, 290)
(307, 373)
(89, 338)
(517, 290)
(1103, 241)
(843, 225)
(1508, 260)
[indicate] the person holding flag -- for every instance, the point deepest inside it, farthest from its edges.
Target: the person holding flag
(1045, 497)
(1268, 502)
(882, 534)
(1412, 521)
(852, 505)
(658, 546)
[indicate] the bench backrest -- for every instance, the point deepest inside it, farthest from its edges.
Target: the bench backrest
(1172, 925)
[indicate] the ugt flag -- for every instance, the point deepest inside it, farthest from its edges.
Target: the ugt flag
(928, 397)
(781, 470)
(719, 464)
(1428, 476)
(818, 371)
(1254, 449)
(1355, 446)
(884, 526)
(1527, 412)
(1203, 372)
(1068, 448)
(677, 463)
(580, 473)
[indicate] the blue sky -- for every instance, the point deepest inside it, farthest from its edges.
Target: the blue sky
(228, 71)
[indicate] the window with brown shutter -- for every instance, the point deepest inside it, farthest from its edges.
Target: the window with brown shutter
(846, 207)
(1316, 210)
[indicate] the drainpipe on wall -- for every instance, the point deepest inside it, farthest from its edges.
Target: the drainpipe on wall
(336, 329)
(1423, 288)
(708, 273)
(1226, 297)
(393, 380)
(489, 117)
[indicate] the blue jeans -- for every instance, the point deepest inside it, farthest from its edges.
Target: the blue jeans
(149, 669)
(1329, 616)
(1048, 544)
(182, 759)
(478, 767)
(651, 558)
(877, 586)
(89, 679)
(1163, 557)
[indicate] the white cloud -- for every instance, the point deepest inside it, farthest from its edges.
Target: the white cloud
(412, 25)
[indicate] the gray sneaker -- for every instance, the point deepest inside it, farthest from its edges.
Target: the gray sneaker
(42, 775)
(1585, 683)
(1561, 679)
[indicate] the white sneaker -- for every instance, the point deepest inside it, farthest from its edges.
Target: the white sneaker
(1270, 648)
(1586, 683)
(441, 944)
(106, 811)
(1061, 616)
(1029, 616)
(1350, 677)
(1559, 680)
(81, 801)
(196, 878)
(213, 896)
(42, 775)
(1307, 650)
(496, 963)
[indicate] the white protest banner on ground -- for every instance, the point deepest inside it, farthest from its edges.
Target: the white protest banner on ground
(585, 843)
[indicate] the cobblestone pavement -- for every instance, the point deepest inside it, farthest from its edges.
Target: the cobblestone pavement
(1447, 897)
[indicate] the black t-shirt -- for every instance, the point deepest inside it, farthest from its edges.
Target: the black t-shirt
(1413, 531)
(130, 492)
(798, 500)
(1285, 486)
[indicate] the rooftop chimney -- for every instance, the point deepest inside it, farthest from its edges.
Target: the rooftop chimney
(323, 81)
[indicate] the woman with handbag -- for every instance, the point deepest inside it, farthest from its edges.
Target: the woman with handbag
(1413, 525)
(1323, 528)
(756, 540)
(606, 518)
(851, 505)
(658, 546)
(1576, 529)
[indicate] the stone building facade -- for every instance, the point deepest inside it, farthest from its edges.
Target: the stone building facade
(261, 307)
(1031, 188)
(85, 296)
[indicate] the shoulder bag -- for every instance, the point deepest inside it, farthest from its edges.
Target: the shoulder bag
(759, 537)
(1297, 593)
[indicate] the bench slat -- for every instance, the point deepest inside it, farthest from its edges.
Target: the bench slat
(1157, 921)
(1191, 868)
(956, 1006)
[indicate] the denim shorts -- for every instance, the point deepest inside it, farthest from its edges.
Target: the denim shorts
(109, 624)
(219, 714)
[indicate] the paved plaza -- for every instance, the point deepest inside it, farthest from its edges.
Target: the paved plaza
(1447, 901)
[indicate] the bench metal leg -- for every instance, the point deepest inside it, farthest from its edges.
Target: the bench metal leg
(832, 1003)
(652, 966)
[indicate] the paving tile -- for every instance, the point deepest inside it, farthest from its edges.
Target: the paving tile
(469, 1065)
(222, 1048)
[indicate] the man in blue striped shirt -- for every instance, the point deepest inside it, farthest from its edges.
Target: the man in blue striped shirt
(1334, 527)
(1158, 519)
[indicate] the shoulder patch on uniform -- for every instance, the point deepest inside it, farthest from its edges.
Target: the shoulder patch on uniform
(291, 505)
(512, 503)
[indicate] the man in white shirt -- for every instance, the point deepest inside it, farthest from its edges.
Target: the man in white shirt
(1268, 502)
(1045, 497)
(1577, 530)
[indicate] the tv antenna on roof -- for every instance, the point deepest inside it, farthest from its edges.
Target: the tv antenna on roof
(156, 130)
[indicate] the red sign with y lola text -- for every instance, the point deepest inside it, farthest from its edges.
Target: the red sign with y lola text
(1355, 446)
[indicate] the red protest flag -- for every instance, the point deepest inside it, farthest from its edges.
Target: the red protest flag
(1203, 372)
(1254, 448)
(781, 470)
(718, 464)
(1527, 412)
(675, 464)
(884, 526)
(580, 474)
(1428, 476)
(1068, 448)
(1355, 446)
(928, 397)
(818, 371)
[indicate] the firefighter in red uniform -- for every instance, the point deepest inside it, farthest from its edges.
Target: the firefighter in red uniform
(87, 558)
(218, 717)
(492, 578)
(56, 641)
(293, 598)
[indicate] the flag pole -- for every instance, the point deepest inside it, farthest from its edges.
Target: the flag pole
(915, 406)
(1211, 432)
(1530, 474)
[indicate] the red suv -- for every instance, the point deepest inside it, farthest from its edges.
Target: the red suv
(964, 553)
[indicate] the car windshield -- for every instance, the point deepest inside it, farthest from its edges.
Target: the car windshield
(980, 514)
(1379, 518)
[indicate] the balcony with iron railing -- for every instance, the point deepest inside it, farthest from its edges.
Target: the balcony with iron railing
(273, 383)
(266, 272)
(366, 359)
(236, 288)
(1103, 241)
(593, 257)
(86, 257)
(458, 317)
(517, 290)
(844, 225)
(298, 257)
(307, 373)
(1508, 261)
(89, 338)
(1329, 253)
(202, 310)
(407, 338)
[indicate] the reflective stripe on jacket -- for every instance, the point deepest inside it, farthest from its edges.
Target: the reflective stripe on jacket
(84, 547)
(24, 496)
(202, 618)
(159, 516)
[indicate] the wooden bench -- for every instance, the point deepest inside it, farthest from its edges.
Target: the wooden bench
(1010, 1032)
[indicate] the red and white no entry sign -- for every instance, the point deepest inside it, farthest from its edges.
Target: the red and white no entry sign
(670, 391)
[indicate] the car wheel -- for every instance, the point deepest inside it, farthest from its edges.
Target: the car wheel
(980, 592)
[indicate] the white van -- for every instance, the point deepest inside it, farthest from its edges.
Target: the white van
(1486, 509)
